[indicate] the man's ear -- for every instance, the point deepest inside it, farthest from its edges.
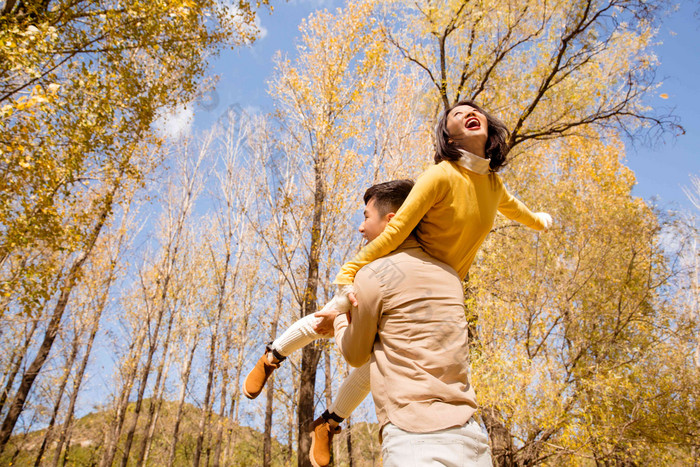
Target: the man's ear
(390, 216)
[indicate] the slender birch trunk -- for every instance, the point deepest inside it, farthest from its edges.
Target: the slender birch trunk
(52, 328)
(206, 410)
(132, 366)
(183, 391)
(18, 355)
(311, 353)
(270, 394)
(59, 397)
(76, 388)
(156, 400)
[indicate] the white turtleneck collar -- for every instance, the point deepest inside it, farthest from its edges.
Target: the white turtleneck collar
(473, 162)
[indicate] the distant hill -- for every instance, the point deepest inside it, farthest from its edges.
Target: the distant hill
(245, 448)
(88, 437)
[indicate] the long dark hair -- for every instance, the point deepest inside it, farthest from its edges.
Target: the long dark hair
(496, 145)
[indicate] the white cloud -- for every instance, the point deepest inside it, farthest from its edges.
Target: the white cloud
(176, 123)
(262, 29)
(234, 14)
(313, 3)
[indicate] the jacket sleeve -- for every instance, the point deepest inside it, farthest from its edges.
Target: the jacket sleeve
(355, 338)
(427, 191)
(515, 210)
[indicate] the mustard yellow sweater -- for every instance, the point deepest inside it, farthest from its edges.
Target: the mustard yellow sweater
(457, 207)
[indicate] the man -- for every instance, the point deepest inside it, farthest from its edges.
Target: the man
(381, 203)
(410, 325)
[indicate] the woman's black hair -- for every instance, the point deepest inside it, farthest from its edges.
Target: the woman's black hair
(496, 143)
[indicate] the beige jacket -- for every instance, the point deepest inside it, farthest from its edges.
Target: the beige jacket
(410, 324)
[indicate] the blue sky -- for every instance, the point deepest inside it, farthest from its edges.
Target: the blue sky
(662, 170)
(662, 167)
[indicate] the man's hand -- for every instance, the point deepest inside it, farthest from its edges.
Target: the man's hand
(325, 324)
(353, 299)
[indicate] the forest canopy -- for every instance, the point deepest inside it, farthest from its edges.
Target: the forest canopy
(162, 265)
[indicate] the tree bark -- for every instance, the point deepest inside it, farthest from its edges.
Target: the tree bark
(52, 329)
(59, 397)
(348, 428)
(18, 357)
(206, 410)
(76, 386)
(499, 436)
(112, 439)
(269, 403)
(181, 403)
(311, 353)
(156, 400)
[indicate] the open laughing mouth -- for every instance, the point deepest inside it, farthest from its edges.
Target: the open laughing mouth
(472, 124)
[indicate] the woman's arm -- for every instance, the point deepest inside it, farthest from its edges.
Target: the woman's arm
(515, 210)
(427, 191)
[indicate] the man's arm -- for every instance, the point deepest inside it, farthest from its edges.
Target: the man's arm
(355, 339)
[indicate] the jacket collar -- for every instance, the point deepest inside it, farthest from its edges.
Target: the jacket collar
(473, 162)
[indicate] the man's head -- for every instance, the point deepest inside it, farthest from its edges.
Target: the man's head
(382, 201)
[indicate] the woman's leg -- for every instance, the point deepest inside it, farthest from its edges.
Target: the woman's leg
(297, 336)
(352, 392)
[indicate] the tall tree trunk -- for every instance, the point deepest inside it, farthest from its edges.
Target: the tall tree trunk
(65, 453)
(292, 425)
(348, 440)
(222, 416)
(42, 354)
(112, 439)
(181, 402)
(267, 437)
(311, 353)
(329, 384)
(223, 402)
(206, 410)
(18, 355)
(233, 411)
(143, 382)
(77, 380)
(59, 397)
(269, 402)
(501, 441)
(157, 392)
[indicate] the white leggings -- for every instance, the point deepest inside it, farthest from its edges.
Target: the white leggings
(355, 387)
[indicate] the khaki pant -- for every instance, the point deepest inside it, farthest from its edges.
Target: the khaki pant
(461, 446)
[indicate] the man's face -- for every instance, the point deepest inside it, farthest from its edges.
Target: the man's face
(374, 222)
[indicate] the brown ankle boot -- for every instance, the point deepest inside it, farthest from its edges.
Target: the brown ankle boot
(322, 442)
(256, 379)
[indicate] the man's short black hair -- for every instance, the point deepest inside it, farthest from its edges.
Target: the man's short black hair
(388, 196)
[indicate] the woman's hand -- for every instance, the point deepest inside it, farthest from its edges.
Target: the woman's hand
(545, 219)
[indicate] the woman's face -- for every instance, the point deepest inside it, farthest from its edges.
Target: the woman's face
(468, 128)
